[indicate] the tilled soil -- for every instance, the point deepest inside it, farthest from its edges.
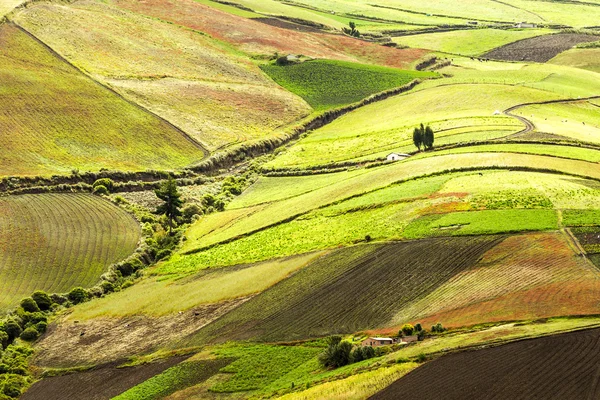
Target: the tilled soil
(288, 25)
(565, 366)
(539, 49)
(99, 383)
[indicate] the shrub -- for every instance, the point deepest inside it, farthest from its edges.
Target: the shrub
(100, 190)
(407, 330)
(30, 334)
(42, 299)
(106, 182)
(41, 326)
(3, 341)
(438, 328)
(189, 212)
(337, 353)
(418, 328)
(368, 352)
(107, 287)
(78, 295)
(162, 254)
(13, 329)
(29, 305)
(357, 354)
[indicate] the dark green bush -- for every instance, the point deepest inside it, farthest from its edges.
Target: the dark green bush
(162, 254)
(41, 326)
(100, 190)
(29, 305)
(30, 334)
(78, 295)
(3, 340)
(106, 182)
(42, 299)
(189, 212)
(107, 287)
(337, 354)
(13, 329)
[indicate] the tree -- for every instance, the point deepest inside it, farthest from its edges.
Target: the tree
(408, 329)
(78, 295)
(29, 305)
(352, 31)
(337, 353)
(168, 193)
(418, 138)
(428, 138)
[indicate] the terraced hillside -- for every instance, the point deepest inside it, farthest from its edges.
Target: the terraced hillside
(54, 242)
(53, 119)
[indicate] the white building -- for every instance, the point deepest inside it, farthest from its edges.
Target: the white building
(397, 156)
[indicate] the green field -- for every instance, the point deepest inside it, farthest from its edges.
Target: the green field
(57, 120)
(328, 84)
(580, 58)
(54, 242)
(214, 93)
(468, 42)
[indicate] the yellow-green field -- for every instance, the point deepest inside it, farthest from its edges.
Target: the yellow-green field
(55, 120)
(54, 242)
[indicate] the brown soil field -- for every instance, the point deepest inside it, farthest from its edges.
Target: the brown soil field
(556, 367)
(80, 343)
(356, 288)
(99, 383)
(540, 48)
(288, 25)
(256, 37)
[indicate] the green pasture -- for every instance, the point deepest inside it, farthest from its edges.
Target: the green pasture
(471, 42)
(389, 124)
(573, 152)
(580, 58)
(326, 84)
(57, 120)
(579, 120)
(446, 205)
(54, 242)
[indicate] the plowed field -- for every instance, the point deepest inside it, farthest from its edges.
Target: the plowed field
(54, 242)
(353, 289)
(557, 367)
(539, 49)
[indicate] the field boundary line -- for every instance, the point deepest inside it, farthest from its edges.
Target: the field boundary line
(189, 138)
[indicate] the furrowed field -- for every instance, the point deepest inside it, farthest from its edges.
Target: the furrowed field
(327, 84)
(55, 120)
(54, 242)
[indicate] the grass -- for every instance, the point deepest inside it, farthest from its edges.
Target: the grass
(379, 278)
(263, 40)
(482, 223)
(214, 93)
(359, 386)
(60, 120)
(358, 133)
(579, 121)
(579, 58)
(181, 376)
(145, 297)
(54, 242)
(468, 42)
(326, 84)
(575, 153)
(376, 178)
(256, 366)
(581, 217)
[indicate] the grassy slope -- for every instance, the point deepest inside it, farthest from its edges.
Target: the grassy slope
(216, 94)
(328, 84)
(447, 205)
(379, 278)
(56, 119)
(54, 242)
(468, 42)
(145, 298)
(579, 58)
(261, 39)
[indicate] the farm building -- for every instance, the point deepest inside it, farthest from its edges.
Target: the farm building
(377, 342)
(409, 339)
(397, 156)
(525, 25)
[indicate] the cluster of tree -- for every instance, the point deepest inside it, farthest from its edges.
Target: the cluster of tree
(352, 31)
(339, 353)
(423, 136)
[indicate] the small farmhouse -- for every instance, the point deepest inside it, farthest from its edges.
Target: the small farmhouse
(525, 25)
(377, 342)
(397, 156)
(410, 339)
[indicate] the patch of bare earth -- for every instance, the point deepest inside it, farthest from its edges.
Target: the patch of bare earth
(71, 343)
(99, 383)
(539, 49)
